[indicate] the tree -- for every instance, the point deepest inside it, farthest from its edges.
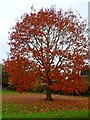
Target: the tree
(4, 77)
(53, 48)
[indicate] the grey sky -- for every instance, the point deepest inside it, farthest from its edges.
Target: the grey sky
(10, 10)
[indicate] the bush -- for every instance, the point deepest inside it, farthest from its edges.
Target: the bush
(61, 92)
(39, 88)
(10, 87)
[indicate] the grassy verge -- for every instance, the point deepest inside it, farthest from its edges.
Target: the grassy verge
(50, 114)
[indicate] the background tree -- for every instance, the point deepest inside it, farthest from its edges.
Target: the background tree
(5, 76)
(55, 45)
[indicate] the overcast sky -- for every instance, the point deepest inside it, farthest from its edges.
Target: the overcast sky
(10, 10)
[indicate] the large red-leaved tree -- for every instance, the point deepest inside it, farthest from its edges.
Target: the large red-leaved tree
(50, 47)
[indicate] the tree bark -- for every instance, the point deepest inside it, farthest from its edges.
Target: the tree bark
(48, 94)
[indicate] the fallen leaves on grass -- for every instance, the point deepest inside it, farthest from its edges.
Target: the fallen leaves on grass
(29, 103)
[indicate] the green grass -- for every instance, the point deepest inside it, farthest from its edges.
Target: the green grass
(6, 91)
(51, 114)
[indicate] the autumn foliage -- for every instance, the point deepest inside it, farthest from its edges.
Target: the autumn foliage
(48, 47)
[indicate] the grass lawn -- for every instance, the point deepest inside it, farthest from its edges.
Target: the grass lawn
(50, 114)
(28, 105)
(6, 91)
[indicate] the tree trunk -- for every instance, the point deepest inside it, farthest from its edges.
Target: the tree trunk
(48, 94)
(48, 91)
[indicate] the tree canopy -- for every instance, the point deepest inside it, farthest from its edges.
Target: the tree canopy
(50, 46)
